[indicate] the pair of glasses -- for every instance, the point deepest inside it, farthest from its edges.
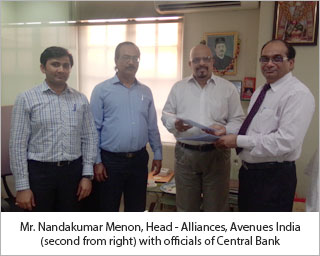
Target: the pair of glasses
(274, 59)
(204, 59)
(126, 58)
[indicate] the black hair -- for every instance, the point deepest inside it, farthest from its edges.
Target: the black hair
(117, 51)
(220, 40)
(55, 52)
(291, 52)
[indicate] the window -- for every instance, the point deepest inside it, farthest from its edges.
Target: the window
(160, 60)
(92, 46)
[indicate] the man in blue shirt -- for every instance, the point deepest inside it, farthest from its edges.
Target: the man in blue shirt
(126, 121)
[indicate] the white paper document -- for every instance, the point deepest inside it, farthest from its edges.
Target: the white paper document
(201, 137)
(195, 124)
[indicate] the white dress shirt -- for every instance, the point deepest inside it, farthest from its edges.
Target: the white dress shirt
(277, 131)
(218, 102)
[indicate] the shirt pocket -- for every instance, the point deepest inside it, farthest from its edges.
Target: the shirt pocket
(76, 115)
(143, 105)
(266, 121)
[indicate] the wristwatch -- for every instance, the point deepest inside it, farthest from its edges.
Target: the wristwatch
(90, 177)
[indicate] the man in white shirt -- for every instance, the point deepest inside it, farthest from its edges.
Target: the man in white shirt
(202, 170)
(273, 139)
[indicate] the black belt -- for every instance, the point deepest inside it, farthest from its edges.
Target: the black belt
(124, 154)
(57, 164)
(201, 148)
(267, 165)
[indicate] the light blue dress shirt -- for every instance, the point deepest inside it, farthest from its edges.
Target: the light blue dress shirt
(125, 118)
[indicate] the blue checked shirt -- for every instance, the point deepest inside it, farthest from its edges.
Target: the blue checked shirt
(48, 127)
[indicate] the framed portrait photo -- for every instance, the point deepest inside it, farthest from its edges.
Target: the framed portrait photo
(224, 47)
(296, 22)
(248, 88)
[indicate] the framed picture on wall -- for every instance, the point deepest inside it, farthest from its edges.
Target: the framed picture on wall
(248, 88)
(237, 84)
(296, 22)
(224, 47)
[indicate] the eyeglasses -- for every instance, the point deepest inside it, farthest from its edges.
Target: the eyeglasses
(274, 59)
(126, 58)
(198, 60)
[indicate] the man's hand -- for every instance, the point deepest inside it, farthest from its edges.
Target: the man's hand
(181, 126)
(100, 172)
(156, 166)
(84, 188)
(219, 130)
(25, 199)
(227, 141)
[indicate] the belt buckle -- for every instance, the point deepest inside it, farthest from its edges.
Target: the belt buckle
(63, 163)
(130, 155)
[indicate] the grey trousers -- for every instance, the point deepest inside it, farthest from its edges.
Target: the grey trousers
(202, 178)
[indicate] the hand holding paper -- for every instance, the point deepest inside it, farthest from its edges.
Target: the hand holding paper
(216, 129)
(182, 126)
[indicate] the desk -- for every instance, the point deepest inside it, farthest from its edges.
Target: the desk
(163, 198)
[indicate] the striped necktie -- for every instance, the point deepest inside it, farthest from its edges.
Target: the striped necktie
(244, 127)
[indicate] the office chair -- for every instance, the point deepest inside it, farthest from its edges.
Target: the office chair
(8, 203)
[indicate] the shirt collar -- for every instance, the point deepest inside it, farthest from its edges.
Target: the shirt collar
(116, 80)
(45, 87)
(276, 85)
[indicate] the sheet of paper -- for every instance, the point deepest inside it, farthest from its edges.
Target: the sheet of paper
(202, 137)
(190, 122)
(195, 124)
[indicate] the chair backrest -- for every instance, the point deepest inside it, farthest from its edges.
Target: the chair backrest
(5, 135)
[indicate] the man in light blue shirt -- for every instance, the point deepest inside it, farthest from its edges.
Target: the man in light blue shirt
(126, 121)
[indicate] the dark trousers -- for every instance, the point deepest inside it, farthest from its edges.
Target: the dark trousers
(127, 176)
(55, 188)
(267, 190)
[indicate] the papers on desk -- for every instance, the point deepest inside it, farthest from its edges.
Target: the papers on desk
(159, 178)
(201, 137)
(169, 187)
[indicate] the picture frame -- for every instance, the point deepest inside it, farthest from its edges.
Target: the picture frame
(237, 84)
(248, 88)
(296, 22)
(225, 50)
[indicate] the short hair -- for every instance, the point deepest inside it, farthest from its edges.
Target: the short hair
(55, 52)
(220, 40)
(291, 52)
(117, 51)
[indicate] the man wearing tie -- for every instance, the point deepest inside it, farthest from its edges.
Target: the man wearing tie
(270, 139)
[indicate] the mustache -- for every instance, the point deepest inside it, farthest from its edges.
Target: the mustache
(203, 67)
(130, 67)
